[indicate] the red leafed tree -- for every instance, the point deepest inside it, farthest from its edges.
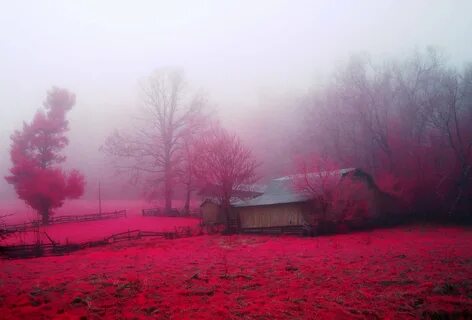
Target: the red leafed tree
(316, 180)
(225, 162)
(334, 198)
(36, 155)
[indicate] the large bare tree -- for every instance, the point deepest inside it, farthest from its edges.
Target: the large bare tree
(153, 152)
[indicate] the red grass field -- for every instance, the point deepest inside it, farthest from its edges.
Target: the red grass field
(402, 273)
(93, 230)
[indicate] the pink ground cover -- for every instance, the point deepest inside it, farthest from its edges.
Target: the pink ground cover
(401, 273)
(92, 230)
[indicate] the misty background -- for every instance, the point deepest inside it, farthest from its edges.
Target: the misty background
(255, 61)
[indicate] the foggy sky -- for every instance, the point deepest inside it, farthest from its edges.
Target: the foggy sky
(237, 52)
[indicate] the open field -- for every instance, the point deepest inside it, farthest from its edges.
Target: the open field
(400, 273)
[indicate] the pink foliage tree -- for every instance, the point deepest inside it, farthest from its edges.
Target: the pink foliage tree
(225, 162)
(36, 154)
(337, 195)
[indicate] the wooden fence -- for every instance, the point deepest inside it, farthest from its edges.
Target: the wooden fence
(89, 217)
(63, 219)
(53, 248)
(152, 212)
(159, 212)
(293, 230)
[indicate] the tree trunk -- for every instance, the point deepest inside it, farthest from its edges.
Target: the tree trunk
(168, 187)
(45, 216)
(168, 198)
(226, 212)
(187, 201)
(232, 221)
(462, 186)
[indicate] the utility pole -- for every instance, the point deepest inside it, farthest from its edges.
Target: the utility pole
(99, 198)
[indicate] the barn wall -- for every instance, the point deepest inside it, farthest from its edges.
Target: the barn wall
(211, 213)
(271, 216)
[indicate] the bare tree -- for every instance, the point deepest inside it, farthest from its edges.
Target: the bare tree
(225, 162)
(450, 112)
(152, 152)
(198, 126)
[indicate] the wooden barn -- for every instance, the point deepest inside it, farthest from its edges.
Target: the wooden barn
(287, 206)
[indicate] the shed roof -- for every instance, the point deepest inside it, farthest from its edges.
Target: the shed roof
(210, 200)
(283, 190)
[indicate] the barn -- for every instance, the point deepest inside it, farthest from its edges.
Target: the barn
(289, 207)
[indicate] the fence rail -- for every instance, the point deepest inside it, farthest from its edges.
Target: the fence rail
(52, 249)
(64, 219)
(152, 212)
(159, 212)
(295, 230)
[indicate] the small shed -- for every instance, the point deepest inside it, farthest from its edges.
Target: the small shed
(211, 212)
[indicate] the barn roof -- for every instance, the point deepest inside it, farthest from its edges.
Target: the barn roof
(210, 200)
(242, 191)
(217, 201)
(283, 190)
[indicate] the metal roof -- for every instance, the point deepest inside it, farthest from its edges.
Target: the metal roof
(283, 189)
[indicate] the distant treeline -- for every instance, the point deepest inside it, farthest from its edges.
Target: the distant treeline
(408, 122)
